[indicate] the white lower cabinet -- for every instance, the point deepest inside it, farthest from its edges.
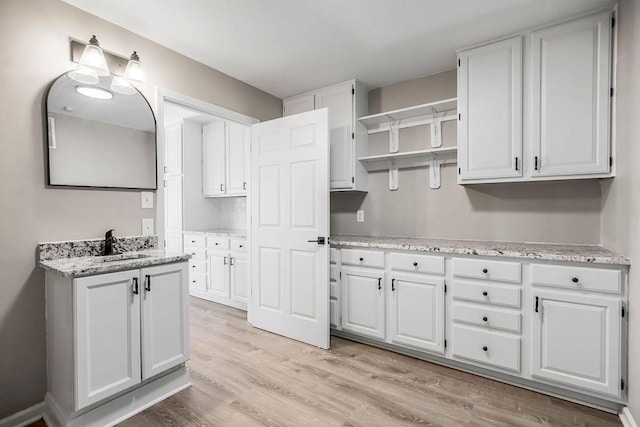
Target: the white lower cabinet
(219, 274)
(239, 277)
(363, 301)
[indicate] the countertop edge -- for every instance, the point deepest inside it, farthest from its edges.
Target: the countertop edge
(113, 266)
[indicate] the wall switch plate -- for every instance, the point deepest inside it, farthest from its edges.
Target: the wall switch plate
(360, 216)
(146, 199)
(147, 227)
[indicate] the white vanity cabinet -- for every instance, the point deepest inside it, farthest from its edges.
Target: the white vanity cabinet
(111, 332)
(225, 153)
(538, 106)
(347, 136)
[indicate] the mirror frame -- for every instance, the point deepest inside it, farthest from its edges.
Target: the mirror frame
(92, 187)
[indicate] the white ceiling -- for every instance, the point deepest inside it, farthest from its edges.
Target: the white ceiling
(286, 47)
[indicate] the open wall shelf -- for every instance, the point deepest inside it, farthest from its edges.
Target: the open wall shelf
(410, 116)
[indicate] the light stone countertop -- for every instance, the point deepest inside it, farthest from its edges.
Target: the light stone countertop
(241, 234)
(90, 265)
(591, 254)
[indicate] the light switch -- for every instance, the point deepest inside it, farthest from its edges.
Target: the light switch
(147, 199)
(147, 227)
(360, 216)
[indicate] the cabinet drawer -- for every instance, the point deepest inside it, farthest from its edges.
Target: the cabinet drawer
(363, 258)
(491, 348)
(333, 255)
(198, 266)
(194, 239)
(499, 271)
(489, 294)
(487, 317)
(216, 242)
(578, 278)
(198, 281)
(238, 245)
(196, 252)
(333, 272)
(417, 263)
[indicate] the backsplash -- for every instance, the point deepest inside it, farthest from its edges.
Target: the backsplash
(93, 247)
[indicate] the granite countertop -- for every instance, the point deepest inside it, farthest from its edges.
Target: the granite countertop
(551, 252)
(90, 265)
(222, 232)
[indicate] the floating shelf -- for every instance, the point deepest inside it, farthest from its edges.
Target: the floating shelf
(433, 158)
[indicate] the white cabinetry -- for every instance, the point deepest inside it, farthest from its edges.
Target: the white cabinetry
(363, 301)
(347, 136)
(537, 106)
(225, 151)
(173, 187)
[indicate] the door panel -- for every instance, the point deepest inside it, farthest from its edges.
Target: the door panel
(237, 151)
(107, 345)
(363, 301)
(299, 104)
(165, 318)
(239, 279)
(219, 274)
(173, 149)
(289, 274)
(173, 204)
(214, 154)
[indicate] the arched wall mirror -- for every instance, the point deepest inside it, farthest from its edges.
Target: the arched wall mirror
(98, 137)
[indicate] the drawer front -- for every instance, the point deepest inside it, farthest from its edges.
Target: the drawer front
(198, 281)
(498, 271)
(238, 245)
(333, 272)
(487, 317)
(578, 278)
(216, 242)
(491, 348)
(363, 258)
(489, 294)
(333, 255)
(417, 263)
(196, 252)
(194, 239)
(198, 266)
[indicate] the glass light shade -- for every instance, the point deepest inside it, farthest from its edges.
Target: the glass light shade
(94, 92)
(93, 57)
(134, 70)
(84, 75)
(122, 86)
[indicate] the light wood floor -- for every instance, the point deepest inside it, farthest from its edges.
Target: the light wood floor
(243, 376)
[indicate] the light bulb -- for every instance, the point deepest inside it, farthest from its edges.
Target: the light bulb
(92, 57)
(134, 70)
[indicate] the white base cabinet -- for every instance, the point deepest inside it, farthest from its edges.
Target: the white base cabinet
(111, 333)
(363, 301)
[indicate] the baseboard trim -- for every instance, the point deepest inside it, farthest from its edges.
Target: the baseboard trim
(220, 300)
(627, 418)
(25, 417)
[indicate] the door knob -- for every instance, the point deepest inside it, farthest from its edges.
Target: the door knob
(319, 240)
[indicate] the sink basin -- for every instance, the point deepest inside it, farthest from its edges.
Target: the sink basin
(121, 257)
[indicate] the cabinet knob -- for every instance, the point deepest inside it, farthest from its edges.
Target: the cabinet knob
(415, 264)
(242, 246)
(485, 348)
(193, 241)
(574, 280)
(193, 266)
(485, 271)
(217, 243)
(485, 293)
(485, 318)
(361, 259)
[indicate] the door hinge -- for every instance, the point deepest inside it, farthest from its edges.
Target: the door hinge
(445, 343)
(458, 62)
(459, 116)
(340, 275)
(458, 171)
(622, 384)
(340, 321)
(623, 311)
(353, 135)
(611, 92)
(445, 288)
(613, 22)
(353, 179)
(353, 90)
(611, 161)
(165, 169)
(165, 183)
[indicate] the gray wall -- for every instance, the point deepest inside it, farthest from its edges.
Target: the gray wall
(555, 212)
(621, 197)
(34, 50)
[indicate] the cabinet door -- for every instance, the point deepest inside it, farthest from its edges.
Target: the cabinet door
(490, 107)
(576, 340)
(173, 241)
(173, 149)
(107, 341)
(239, 279)
(363, 301)
(298, 104)
(339, 100)
(214, 138)
(165, 317)
(571, 102)
(173, 204)
(417, 312)
(219, 274)
(237, 153)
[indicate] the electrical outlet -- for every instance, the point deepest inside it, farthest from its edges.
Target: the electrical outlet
(147, 227)
(146, 198)
(360, 216)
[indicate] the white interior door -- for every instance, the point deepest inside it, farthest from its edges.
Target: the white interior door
(289, 212)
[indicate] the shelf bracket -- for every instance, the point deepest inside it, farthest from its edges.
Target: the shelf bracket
(436, 130)
(394, 135)
(393, 176)
(434, 173)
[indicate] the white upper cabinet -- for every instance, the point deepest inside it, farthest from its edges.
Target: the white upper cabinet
(173, 149)
(571, 101)
(490, 108)
(225, 151)
(347, 137)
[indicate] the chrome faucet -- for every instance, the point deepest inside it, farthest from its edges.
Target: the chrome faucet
(109, 240)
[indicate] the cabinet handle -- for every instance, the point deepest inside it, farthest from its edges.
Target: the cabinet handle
(135, 286)
(485, 319)
(485, 293)
(485, 348)
(537, 302)
(244, 185)
(224, 261)
(516, 163)
(415, 264)
(393, 284)
(221, 187)
(230, 260)
(361, 259)
(147, 280)
(379, 283)
(535, 163)
(485, 271)
(575, 280)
